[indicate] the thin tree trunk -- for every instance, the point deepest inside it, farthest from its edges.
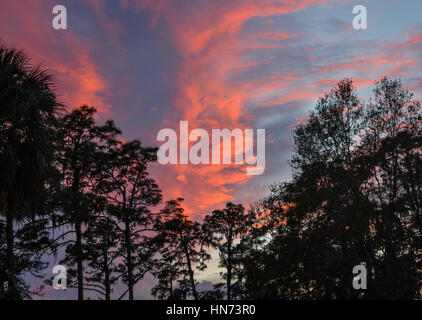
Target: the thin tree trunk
(78, 231)
(1, 288)
(191, 276)
(79, 259)
(129, 260)
(229, 268)
(107, 278)
(9, 252)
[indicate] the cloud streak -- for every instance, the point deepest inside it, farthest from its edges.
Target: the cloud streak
(217, 64)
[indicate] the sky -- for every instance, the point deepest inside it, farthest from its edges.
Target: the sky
(150, 64)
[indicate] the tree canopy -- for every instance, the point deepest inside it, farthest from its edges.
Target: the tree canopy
(72, 187)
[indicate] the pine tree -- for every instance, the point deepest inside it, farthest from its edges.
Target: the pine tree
(130, 193)
(228, 225)
(101, 251)
(185, 242)
(80, 144)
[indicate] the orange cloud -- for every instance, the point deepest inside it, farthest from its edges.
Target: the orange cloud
(211, 51)
(29, 27)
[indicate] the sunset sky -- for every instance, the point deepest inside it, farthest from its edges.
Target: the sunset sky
(149, 64)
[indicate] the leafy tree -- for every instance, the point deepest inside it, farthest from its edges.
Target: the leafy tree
(216, 294)
(167, 274)
(352, 201)
(392, 148)
(327, 194)
(31, 242)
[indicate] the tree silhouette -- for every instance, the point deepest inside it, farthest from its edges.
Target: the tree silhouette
(31, 243)
(80, 145)
(185, 242)
(354, 199)
(28, 111)
(351, 201)
(167, 274)
(228, 224)
(100, 247)
(130, 192)
(392, 148)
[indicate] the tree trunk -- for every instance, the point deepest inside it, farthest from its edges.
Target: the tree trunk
(9, 252)
(78, 230)
(107, 282)
(191, 277)
(79, 260)
(1, 287)
(129, 260)
(229, 267)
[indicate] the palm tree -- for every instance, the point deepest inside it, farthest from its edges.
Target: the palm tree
(28, 110)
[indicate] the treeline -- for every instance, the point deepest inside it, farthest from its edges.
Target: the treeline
(74, 188)
(355, 198)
